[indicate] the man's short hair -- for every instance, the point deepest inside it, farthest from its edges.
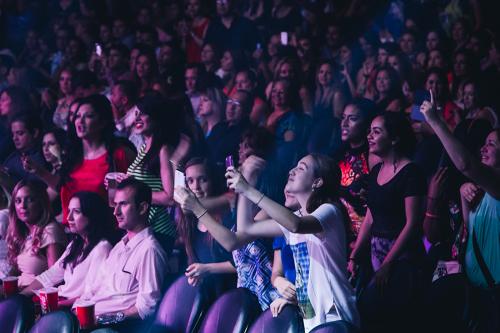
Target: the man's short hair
(129, 88)
(142, 192)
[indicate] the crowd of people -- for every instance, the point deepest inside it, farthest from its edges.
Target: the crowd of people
(340, 157)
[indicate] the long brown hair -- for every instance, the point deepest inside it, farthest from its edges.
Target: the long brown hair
(18, 232)
(325, 168)
(188, 223)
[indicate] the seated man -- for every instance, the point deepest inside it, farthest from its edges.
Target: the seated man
(130, 280)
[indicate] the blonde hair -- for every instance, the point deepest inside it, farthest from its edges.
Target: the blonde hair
(18, 232)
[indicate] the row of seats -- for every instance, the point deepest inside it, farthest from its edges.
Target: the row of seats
(184, 309)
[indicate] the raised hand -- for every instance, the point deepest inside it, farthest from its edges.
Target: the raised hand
(428, 109)
(252, 168)
(186, 199)
(29, 165)
(236, 181)
(438, 183)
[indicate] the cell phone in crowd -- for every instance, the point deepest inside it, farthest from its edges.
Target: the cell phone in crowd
(419, 98)
(98, 49)
(284, 38)
(179, 179)
(229, 161)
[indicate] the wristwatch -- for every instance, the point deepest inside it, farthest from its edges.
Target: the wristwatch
(119, 316)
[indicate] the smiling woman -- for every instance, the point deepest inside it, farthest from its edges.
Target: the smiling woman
(316, 233)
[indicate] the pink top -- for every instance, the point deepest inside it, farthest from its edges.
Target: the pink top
(30, 264)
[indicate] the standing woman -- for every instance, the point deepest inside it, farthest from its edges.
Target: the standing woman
(94, 152)
(211, 109)
(91, 226)
(481, 212)
(392, 225)
(329, 101)
(146, 74)
(354, 159)
(34, 240)
(153, 162)
(289, 125)
(198, 26)
(316, 233)
(66, 90)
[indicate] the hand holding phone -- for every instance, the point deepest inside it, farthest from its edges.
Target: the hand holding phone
(98, 49)
(179, 179)
(284, 38)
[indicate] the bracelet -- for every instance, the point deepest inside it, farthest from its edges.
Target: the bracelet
(430, 215)
(260, 199)
(352, 259)
(199, 217)
(432, 198)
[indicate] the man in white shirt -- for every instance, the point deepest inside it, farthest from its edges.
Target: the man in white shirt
(130, 280)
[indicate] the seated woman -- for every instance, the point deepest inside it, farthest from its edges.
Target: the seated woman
(481, 212)
(35, 242)
(316, 233)
(93, 234)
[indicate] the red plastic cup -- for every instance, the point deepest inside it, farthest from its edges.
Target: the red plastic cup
(112, 184)
(85, 311)
(10, 286)
(48, 299)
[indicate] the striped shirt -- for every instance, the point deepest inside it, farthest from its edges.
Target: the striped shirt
(159, 216)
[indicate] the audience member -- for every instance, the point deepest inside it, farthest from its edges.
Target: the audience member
(129, 282)
(92, 230)
(34, 240)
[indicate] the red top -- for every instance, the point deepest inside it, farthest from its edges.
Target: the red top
(89, 176)
(193, 50)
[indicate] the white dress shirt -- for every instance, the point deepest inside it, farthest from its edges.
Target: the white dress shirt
(133, 274)
(75, 279)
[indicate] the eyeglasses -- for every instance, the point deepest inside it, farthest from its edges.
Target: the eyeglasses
(233, 102)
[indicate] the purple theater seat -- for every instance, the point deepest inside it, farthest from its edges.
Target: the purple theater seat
(233, 312)
(339, 326)
(288, 321)
(57, 322)
(16, 314)
(176, 313)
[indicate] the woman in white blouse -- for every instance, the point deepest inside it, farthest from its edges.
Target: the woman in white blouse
(90, 222)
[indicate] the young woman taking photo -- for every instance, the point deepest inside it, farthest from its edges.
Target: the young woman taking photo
(316, 233)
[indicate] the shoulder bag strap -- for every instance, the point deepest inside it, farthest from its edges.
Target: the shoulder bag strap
(480, 261)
